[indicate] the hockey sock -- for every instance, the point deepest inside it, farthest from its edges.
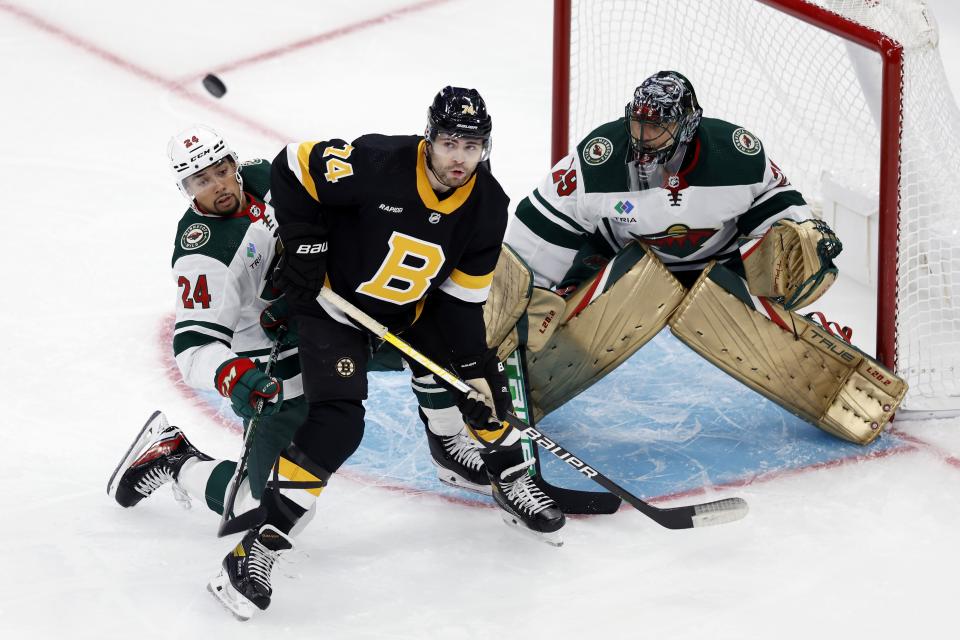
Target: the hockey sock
(437, 407)
(207, 479)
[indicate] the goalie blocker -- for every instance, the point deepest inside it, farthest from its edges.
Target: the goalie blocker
(794, 362)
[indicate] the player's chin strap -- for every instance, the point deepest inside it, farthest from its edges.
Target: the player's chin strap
(685, 517)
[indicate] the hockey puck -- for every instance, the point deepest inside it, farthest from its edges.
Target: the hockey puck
(214, 85)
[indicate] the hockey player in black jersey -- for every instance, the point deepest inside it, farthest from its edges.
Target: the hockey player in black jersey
(408, 229)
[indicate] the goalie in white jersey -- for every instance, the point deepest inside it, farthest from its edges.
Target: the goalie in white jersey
(665, 216)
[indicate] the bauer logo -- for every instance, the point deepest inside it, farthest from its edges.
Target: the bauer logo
(195, 236)
(746, 143)
(597, 151)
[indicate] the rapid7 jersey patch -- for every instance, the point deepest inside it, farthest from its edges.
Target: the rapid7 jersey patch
(406, 273)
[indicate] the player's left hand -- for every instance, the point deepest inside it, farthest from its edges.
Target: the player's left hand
(485, 407)
(277, 317)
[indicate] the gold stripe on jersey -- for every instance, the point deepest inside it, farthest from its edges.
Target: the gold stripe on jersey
(427, 195)
(295, 473)
(298, 159)
(466, 287)
(468, 281)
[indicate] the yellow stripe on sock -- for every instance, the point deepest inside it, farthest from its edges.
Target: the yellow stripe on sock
(292, 472)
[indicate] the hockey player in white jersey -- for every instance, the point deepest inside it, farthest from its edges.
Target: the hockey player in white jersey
(665, 216)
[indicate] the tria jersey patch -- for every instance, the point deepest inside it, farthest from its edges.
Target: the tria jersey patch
(725, 189)
(392, 239)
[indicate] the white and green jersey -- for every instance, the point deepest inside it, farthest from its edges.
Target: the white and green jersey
(727, 189)
(222, 267)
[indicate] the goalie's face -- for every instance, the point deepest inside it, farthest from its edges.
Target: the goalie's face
(216, 189)
(454, 159)
(651, 136)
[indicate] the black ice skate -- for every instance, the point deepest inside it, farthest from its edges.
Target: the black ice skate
(155, 458)
(244, 578)
(458, 462)
(525, 506)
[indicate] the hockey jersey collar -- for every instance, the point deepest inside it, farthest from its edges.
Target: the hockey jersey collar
(427, 195)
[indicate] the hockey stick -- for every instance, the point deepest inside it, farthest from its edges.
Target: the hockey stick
(686, 517)
(228, 523)
(572, 501)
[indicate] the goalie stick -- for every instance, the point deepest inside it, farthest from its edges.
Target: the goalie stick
(572, 501)
(685, 517)
(228, 523)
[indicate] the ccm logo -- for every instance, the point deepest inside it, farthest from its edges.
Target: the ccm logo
(312, 248)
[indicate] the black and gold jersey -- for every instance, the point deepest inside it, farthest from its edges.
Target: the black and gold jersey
(393, 240)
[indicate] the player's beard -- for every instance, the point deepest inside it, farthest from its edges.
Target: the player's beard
(226, 205)
(444, 173)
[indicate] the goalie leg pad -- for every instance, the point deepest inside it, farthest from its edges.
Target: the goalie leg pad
(603, 323)
(509, 296)
(792, 361)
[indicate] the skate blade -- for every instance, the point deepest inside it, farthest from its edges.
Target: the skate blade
(457, 481)
(238, 606)
(552, 538)
(154, 424)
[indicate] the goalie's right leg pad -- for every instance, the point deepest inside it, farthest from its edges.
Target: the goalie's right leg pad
(791, 360)
(603, 323)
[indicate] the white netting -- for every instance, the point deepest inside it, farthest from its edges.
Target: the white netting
(813, 98)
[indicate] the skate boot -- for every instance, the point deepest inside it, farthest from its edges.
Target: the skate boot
(524, 506)
(458, 462)
(155, 458)
(244, 579)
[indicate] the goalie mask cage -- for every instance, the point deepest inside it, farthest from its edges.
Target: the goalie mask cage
(844, 92)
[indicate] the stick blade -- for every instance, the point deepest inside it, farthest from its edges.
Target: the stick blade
(720, 512)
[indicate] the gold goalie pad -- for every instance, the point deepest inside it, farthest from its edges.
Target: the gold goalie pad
(787, 358)
(792, 262)
(602, 324)
(509, 296)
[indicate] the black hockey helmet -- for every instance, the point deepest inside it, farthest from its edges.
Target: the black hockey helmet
(459, 112)
(665, 97)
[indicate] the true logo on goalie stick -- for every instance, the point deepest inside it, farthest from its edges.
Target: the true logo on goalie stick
(195, 236)
(597, 151)
(746, 143)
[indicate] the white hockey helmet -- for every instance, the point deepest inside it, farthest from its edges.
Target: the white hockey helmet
(194, 149)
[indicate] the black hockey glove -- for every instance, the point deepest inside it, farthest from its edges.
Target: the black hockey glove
(484, 408)
(303, 260)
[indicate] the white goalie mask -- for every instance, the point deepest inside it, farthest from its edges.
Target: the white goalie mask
(194, 149)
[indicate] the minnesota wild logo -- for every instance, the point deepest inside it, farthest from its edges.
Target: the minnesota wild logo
(195, 236)
(746, 143)
(597, 150)
(678, 240)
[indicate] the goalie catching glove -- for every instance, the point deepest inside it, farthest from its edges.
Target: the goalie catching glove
(302, 267)
(793, 262)
(490, 401)
(241, 381)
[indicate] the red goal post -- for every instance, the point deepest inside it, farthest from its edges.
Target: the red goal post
(866, 113)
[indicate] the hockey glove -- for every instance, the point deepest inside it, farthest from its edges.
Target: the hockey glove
(303, 260)
(241, 381)
(483, 408)
(277, 317)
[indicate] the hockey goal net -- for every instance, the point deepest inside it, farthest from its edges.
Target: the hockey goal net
(848, 93)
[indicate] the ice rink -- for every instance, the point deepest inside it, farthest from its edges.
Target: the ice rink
(854, 544)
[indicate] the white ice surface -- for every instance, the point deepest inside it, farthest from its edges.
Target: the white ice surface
(89, 100)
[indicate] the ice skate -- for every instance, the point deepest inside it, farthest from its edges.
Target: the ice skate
(244, 579)
(458, 462)
(524, 506)
(154, 459)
